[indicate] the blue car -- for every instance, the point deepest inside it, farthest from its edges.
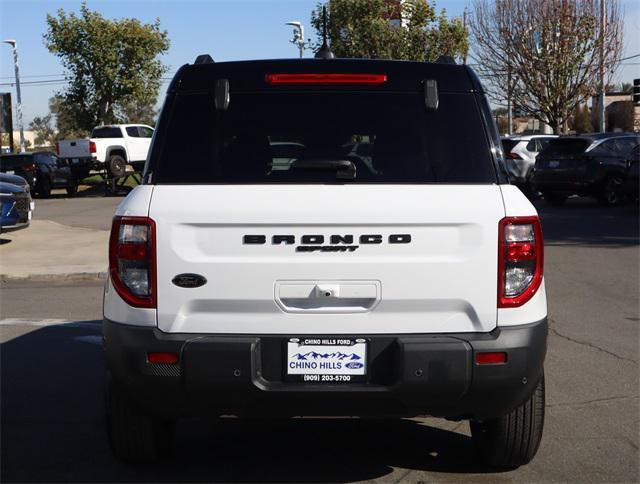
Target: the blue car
(15, 206)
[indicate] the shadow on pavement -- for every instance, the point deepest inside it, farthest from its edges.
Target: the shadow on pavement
(581, 221)
(52, 430)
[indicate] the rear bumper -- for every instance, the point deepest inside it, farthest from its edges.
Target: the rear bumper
(409, 375)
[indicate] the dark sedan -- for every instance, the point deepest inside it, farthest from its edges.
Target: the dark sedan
(42, 170)
(585, 165)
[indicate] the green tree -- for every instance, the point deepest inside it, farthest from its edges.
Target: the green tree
(379, 29)
(66, 120)
(109, 64)
(44, 132)
(581, 120)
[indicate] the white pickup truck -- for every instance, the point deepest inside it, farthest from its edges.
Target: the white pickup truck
(110, 147)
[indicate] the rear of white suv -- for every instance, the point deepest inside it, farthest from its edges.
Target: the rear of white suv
(412, 284)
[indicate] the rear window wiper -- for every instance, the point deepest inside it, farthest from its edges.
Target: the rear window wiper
(345, 169)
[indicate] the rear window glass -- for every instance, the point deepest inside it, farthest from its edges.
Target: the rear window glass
(509, 144)
(13, 161)
(565, 147)
(106, 132)
(269, 137)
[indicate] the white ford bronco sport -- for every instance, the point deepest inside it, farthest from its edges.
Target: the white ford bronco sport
(404, 283)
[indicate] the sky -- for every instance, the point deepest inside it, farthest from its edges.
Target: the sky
(227, 30)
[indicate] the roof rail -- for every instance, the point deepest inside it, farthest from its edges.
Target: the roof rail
(204, 59)
(445, 59)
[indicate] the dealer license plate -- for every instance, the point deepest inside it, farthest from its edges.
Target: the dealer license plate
(326, 359)
(554, 164)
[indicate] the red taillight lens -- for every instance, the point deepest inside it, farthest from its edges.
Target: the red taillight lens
(513, 156)
(326, 78)
(492, 358)
(163, 358)
(132, 260)
(520, 260)
(57, 148)
(31, 168)
(92, 146)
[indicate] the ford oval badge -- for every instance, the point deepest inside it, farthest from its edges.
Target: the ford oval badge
(189, 280)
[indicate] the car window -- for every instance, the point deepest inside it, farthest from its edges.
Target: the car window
(509, 144)
(409, 142)
(132, 131)
(533, 146)
(145, 132)
(106, 132)
(565, 147)
(606, 148)
(625, 145)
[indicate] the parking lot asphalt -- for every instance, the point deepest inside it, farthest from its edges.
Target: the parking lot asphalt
(51, 386)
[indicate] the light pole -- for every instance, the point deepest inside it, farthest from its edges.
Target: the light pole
(298, 36)
(14, 44)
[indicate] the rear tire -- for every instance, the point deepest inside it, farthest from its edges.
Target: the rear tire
(72, 188)
(134, 436)
(116, 166)
(513, 439)
(554, 199)
(611, 191)
(43, 188)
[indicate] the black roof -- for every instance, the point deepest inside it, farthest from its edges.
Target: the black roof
(249, 76)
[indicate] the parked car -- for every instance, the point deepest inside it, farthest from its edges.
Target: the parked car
(42, 170)
(16, 205)
(110, 147)
(586, 165)
(631, 185)
(323, 288)
(520, 154)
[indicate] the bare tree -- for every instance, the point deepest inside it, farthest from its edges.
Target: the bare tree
(545, 55)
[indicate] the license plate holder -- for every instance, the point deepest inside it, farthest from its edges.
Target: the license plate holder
(326, 360)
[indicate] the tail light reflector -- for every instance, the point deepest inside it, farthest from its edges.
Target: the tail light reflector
(92, 146)
(513, 156)
(491, 358)
(31, 168)
(326, 78)
(520, 260)
(132, 260)
(163, 358)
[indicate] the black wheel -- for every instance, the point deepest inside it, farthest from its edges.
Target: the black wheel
(43, 187)
(116, 166)
(530, 189)
(134, 436)
(72, 187)
(611, 194)
(513, 439)
(555, 199)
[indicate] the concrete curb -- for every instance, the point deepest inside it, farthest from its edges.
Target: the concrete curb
(71, 276)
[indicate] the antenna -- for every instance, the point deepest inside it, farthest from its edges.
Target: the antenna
(325, 51)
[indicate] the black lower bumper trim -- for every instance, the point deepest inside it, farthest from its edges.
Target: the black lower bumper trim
(433, 374)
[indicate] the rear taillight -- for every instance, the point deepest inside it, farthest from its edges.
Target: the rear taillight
(57, 148)
(520, 260)
(92, 146)
(132, 260)
(513, 156)
(31, 168)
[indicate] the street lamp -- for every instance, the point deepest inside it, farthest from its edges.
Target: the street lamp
(14, 45)
(298, 36)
